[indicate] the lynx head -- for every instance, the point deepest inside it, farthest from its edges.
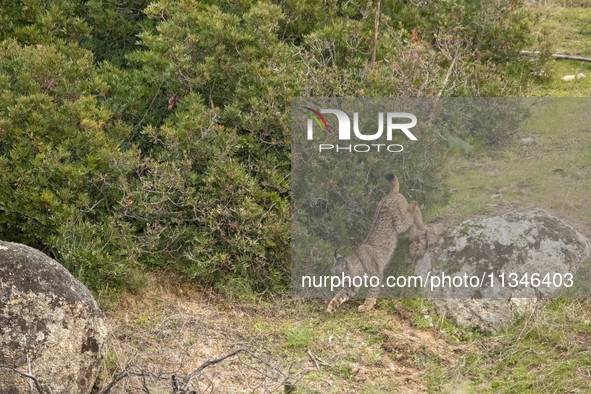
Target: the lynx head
(341, 265)
(394, 185)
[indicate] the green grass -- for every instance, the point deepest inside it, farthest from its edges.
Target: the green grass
(546, 352)
(300, 337)
(569, 33)
(552, 173)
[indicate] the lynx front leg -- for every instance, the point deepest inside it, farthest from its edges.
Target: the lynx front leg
(370, 301)
(342, 296)
(415, 211)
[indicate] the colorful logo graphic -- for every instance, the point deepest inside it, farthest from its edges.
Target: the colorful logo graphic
(316, 117)
(345, 124)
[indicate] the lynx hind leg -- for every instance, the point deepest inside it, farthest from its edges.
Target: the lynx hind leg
(342, 296)
(370, 301)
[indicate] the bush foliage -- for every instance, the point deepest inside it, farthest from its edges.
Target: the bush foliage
(155, 135)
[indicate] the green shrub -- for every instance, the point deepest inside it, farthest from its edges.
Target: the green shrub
(107, 27)
(59, 157)
(195, 206)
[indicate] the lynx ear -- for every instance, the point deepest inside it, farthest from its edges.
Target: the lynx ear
(394, 185)
(337, 256)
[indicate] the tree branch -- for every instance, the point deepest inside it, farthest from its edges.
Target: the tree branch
(26, 375)
(375, 36)
(557, 56)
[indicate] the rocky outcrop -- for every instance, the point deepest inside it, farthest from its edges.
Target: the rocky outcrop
(486, 251)
(49, 317)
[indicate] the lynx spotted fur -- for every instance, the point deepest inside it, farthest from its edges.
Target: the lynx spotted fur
(394, 215)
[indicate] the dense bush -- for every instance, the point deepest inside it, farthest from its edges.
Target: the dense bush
(107, 27)
(58, 151)
(176, 152)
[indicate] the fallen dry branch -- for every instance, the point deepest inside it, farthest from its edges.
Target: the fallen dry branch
(447, 75)
(183, 384)
(28, 376)
(557, 56)
(178, 384)
(115, 380)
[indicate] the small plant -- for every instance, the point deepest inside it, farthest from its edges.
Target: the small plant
(110, 361)
(300, 338)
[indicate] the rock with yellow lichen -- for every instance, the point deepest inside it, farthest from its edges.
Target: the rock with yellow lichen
(49, 322)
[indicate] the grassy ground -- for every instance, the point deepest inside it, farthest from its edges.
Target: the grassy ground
(402, 346)
(553, 171)
(569, 33)
(396, 348)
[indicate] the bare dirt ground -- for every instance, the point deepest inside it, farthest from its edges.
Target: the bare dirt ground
(175, 327)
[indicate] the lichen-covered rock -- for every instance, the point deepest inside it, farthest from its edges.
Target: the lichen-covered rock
(49, 316)
(505, 251)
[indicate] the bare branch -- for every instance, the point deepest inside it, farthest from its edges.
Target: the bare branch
(181, 384)
(448, 74)
(375, 36)
(26, 375)
(116, 379)
(30, 373)
(557, 56)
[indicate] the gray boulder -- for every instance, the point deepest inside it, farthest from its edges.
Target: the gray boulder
(51, 318)
(505, 249)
